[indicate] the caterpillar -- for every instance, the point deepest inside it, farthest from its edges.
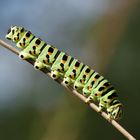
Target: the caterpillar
(75, 73)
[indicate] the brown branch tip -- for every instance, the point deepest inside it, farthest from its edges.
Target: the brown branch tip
(123, 131)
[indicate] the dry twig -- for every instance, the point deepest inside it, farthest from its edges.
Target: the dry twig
(92, 105)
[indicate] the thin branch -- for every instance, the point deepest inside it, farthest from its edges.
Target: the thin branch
(81, 97)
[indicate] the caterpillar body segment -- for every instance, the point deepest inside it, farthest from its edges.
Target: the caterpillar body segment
(61, 65)
(92, 83)
(100, 89)
(47, 57)
(25, 40)
(83, 79)
(105, 100)
(73, 72)
(33, 49)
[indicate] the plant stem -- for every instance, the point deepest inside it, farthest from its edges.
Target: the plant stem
(81, 97)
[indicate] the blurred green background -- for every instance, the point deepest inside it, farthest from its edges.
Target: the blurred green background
(103, 34)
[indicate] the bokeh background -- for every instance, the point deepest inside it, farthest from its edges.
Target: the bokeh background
(103, 34)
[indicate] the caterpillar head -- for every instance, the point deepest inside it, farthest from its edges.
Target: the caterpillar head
(115, 112)
(15, 33)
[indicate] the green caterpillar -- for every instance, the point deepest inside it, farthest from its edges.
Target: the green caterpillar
(84, 79)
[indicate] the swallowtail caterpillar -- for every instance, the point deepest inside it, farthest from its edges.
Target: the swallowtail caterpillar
(84, 79)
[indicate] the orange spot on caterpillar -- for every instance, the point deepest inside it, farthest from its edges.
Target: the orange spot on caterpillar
(89, 87)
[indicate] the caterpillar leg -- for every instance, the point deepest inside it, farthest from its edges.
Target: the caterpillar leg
(55, 74)
(86, 92)
(40, 65)
(109, 117)
(92, 97)
(89, 99)
(23, 55)
(100, 108)
(67, 81)
(102, 104)
(78, 86)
